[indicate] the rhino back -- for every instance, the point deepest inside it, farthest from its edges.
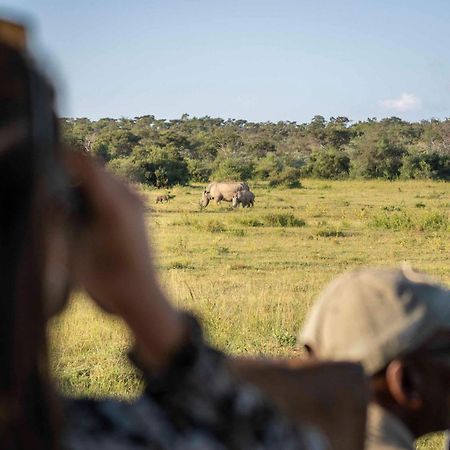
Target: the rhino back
(211, 186)
(228, 189)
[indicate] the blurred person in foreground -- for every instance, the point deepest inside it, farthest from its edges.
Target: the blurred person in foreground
(191, 399)
(65, 221)
(396, 323)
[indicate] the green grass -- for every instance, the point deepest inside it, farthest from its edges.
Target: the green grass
(404, 220)
(252, 274)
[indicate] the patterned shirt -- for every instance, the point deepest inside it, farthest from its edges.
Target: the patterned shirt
(195, 404)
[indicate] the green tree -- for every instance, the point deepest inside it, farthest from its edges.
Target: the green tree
(238, 169)
(337, 134)
(199, 170)
(128, 168)
(317, 129)
(328, 163)
(426, 165)
(374, 154)
(288, 177)
(162, 166)
(268, 166)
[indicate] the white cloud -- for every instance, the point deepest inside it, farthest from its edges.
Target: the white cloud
(406, 102)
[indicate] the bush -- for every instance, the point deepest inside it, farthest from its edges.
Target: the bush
(214, 226)
(162, 166)
(426, 165)
(268, 166)
(402, 220)
(383, 160)
(393, 221)
(329, 232)
(329, 163)
(250, 222)
(289, 177)
(114, 143)
(272, 220)
(199, 170)
(128, 169)
(182, 264)
(282, 220)
(434, 221)
(233, 169)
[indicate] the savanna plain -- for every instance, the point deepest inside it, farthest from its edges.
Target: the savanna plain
(252, 274)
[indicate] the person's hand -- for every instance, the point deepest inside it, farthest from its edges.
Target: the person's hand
(112, 260)
(111, 248)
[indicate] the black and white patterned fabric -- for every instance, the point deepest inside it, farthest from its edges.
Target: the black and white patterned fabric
(194, 404)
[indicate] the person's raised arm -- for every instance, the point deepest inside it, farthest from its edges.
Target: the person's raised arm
(113, 262)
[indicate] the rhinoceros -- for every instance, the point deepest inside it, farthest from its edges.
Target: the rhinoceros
(245, 198)
(219, 191)
(162, 199)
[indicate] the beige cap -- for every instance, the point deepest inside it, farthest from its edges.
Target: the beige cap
(373, 316)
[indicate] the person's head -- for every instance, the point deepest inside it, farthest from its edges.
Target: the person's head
(27, 210)
(396, 323)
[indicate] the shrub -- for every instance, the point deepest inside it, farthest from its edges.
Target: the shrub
(434, 221)
(426, 165)
(393, 221)
(250, 222)
(268, 167)
(199, 170)
(233, 169)
(272, 220)
(282, 220)
(162, 166)
(329, 163)
(214, 226)
(382, 160)
(402, 220)
(289, 177)
(114, 143)
(128, 169)
(180, 264)
(327, 232)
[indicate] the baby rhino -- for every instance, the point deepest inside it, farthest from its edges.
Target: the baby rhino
(162, 199)
(245, 198)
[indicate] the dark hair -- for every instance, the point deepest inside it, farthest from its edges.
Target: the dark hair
(27, 408)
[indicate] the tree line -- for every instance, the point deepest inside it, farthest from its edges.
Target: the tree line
(162, 153)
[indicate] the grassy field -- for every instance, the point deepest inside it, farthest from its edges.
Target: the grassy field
(252, 274)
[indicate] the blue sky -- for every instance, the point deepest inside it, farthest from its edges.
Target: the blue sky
(252, 59)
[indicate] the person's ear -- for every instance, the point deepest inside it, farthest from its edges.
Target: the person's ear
(403, 382)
